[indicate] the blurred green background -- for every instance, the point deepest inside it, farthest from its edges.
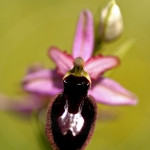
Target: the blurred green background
(29, 27)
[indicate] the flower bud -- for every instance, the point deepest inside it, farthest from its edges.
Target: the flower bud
(111, 23)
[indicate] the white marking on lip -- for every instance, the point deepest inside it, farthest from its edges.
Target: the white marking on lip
(69, 121)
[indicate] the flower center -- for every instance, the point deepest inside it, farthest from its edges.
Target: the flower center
(79, 62)
(78, 70)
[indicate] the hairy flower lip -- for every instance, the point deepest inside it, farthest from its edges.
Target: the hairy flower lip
(51, 134)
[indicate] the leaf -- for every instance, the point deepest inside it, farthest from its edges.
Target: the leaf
(122, 51)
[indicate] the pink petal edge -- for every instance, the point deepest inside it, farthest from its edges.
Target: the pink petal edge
(97, 65)
(22, 104)
(84, 37)
(109, 92)
(46, 82)
(63, 61)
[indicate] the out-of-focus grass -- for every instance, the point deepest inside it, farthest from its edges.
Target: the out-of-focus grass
(28, 28)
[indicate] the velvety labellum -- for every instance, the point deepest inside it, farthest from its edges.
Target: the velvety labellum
(71, 115)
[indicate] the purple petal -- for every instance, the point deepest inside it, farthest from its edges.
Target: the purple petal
(107, 91)
(24, 104)
(99, 64)
(37, 66)
(43, 82)
(63, 60)
(84, 37)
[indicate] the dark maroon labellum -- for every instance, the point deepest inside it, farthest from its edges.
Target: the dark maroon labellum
(71, 115)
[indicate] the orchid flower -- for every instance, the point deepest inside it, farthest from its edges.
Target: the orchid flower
(72, 113)
(41, 82)
(104, 90)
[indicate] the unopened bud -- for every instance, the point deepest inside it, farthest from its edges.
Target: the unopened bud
(111, 23)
